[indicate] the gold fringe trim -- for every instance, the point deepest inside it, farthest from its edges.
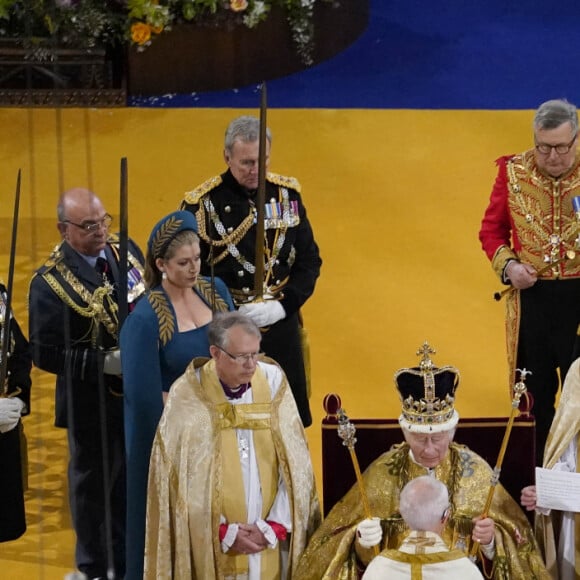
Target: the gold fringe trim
(193, 197)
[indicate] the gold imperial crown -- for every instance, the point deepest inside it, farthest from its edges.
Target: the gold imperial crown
(427, 395)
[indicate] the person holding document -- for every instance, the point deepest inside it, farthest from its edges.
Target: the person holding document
(555, 529)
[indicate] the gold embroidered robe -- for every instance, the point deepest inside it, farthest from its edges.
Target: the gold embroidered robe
(186, 480)
(333, 553)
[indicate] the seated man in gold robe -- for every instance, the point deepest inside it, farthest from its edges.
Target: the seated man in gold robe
(424, 506)
(342, 546)
(231, 487)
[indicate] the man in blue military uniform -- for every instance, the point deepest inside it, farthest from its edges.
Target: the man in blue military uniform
(73, 306)
(225, 208)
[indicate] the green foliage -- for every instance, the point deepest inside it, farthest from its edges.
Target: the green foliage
(88, 23)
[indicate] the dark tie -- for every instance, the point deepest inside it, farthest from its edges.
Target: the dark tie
(103, 268)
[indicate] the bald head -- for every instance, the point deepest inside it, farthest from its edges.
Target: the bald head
(77, 196)
(423, 504)
(76, 209)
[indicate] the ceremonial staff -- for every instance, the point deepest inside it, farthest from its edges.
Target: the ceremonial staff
(123, 248)
(519, 390)
(122, 313)
(261, 202)
(569, 255)
(8, 299)
(346, 431)
(209, 215)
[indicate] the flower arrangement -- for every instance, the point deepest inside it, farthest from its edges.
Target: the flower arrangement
(88, 23)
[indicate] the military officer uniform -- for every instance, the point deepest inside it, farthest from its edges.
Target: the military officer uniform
(226, 215)
(12, 460)
(73, 303)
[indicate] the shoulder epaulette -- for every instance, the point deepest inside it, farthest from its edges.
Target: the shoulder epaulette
(54, 258)
(113, 239)
(193, 197)
(284, 181)
(504, 159)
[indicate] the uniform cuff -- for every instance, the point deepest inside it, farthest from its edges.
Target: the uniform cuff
(500, 260)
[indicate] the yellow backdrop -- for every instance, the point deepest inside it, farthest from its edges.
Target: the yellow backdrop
(395, 198)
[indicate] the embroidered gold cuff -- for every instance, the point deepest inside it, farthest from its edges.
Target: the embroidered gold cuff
(501, 257)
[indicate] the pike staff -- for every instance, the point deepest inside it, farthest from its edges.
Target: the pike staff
(8, 299)
(346, 431)
(123, 301)
(519, 390)
(261, 202)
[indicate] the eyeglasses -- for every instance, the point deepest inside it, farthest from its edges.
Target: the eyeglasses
(561, 148)
(92, 227)
(243, 358)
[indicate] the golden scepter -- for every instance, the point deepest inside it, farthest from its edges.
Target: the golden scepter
(569, 255)
(346, 431)
(519, 390)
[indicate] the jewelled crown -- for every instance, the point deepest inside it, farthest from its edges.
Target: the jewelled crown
(427, 395)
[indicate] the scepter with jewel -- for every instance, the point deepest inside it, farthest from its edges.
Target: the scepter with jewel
(518, 391)
(347, 431)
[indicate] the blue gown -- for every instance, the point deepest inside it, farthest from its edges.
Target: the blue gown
(154, 355)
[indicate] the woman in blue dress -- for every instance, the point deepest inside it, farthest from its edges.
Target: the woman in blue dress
(165, 331)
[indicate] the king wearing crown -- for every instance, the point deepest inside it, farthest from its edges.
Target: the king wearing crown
(347, 539)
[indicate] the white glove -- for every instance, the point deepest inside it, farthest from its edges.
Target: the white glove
(112, 365)
(10, 411)
(369, 532)
(264, 313)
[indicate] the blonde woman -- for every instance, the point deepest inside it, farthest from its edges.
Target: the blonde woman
(166, 330)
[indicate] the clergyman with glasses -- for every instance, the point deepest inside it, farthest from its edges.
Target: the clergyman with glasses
(231, 487)
(73, 326)
(425, 507)
(530, 233)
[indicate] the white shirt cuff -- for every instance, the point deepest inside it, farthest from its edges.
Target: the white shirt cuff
(230, 537)
(489, 550)
(268, 532)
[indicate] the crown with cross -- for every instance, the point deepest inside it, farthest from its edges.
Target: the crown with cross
(427, 395)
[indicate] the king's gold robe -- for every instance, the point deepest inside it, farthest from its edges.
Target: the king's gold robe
(189, 463)
(333, 552)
